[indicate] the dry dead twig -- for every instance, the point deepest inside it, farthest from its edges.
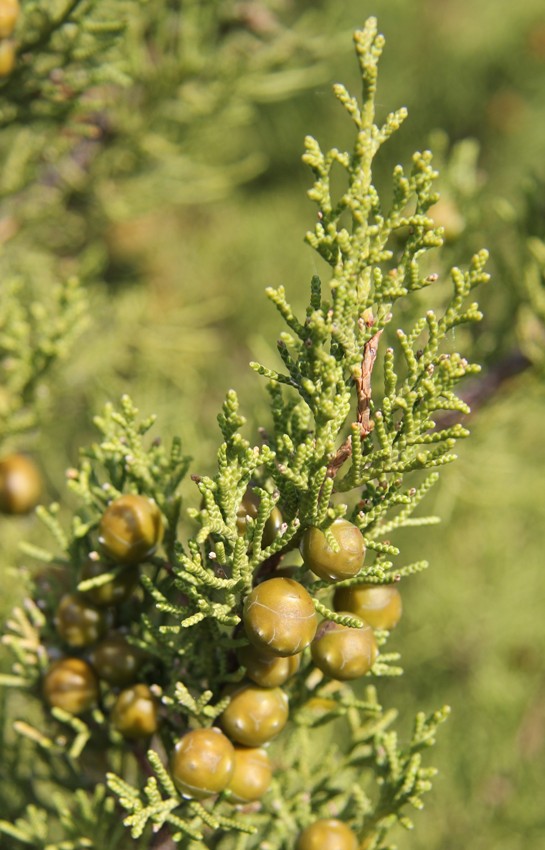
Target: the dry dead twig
(363, 390)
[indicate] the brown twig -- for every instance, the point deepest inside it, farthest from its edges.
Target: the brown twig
(363, 390)
(484, 388)
(163, 840)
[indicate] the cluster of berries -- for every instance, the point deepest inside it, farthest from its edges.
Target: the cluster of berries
(9, 13)
(129, 532)
(279, 622)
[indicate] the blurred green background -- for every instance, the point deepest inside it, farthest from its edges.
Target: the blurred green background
(178, 311)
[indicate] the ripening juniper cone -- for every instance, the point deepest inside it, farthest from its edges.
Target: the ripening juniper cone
(117, 661)
(71, 684)
(202, 763)
(378, 604)
(327, 834)
(279, 616)
(135, 712)
(324, 561)
(78, 622)
(265, 669)
(9, 13)
(130, 530)
(342, 652)
(248, 509)
(20, 484)
(255, 715)
(110, 592)
(251, 775)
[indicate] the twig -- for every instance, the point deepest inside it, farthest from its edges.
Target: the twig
(163, 840)
(363, 390)
(483, 389)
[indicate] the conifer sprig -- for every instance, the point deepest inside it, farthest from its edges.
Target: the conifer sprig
(87, 819)
(49, 75)
(34, 334)
(353, 409)
(330, 357)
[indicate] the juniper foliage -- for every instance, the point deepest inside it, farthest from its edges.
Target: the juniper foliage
(115, 109)
(34, 335)
(354, 432)
(142, 92)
